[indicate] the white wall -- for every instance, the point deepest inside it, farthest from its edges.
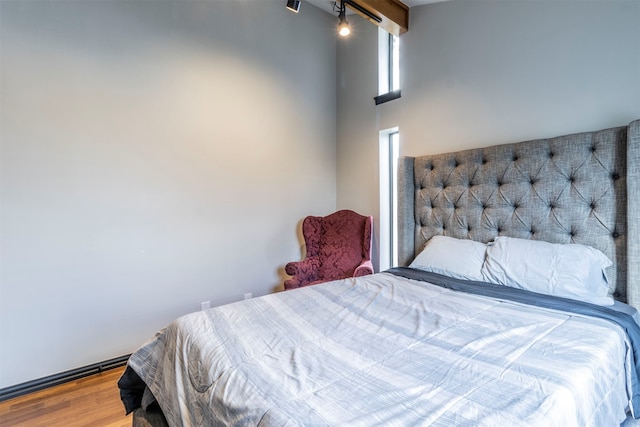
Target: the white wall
(478, 73)
(155, 154)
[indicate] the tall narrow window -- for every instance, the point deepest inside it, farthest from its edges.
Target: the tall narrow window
(388, 67)
(394, 63)
(389, 153)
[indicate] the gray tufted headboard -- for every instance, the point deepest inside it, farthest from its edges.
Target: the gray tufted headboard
(581, 188)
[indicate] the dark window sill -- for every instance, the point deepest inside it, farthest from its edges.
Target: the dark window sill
(386, 97)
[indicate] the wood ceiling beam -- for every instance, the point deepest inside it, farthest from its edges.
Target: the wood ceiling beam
(393, 14)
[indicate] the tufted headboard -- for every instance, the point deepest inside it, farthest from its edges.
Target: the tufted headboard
(581, 188)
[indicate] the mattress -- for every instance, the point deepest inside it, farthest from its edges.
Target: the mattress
(388, 350)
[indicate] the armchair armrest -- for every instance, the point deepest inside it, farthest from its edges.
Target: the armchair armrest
(365, 268)
(303, 272)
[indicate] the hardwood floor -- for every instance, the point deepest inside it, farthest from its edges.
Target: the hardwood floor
(91, 401)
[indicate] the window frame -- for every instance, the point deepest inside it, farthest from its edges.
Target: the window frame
(388, 67)
(389, 154)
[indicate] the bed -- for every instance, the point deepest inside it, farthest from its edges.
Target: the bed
(423, 345)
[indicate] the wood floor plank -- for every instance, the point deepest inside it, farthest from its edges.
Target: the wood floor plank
(91, 401)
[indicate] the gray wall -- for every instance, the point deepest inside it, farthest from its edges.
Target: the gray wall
(357, 133)
(477, 73)
(161, 153)
(155, 154)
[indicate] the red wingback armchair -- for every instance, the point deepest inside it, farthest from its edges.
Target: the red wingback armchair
(338, 247)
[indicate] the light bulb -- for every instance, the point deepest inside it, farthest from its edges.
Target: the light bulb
(343, 28)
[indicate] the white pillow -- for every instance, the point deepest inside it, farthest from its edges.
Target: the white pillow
(452, 257)
(568, 271)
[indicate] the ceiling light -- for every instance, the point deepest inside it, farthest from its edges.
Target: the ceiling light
(293, 5)
(343, 26)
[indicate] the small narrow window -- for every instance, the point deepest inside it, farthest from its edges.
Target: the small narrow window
(389, 153)
(394, 63)
(388, 67)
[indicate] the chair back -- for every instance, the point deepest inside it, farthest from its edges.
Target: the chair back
(342, 240)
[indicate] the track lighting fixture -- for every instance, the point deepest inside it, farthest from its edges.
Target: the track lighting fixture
(293, 5)
(369, 12)
(343, 25)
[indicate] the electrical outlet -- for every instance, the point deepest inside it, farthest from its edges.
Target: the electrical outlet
(248, 295)
(205, 305)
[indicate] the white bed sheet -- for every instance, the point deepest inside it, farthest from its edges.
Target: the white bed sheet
(384, 350)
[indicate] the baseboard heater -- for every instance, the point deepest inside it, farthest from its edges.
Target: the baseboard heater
(61, 378)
